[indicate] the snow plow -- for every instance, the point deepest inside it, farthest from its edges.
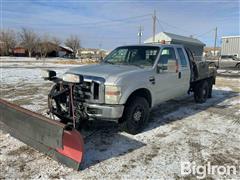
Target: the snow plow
(55, 139)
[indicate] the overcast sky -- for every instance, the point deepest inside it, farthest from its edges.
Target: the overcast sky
(107, 24)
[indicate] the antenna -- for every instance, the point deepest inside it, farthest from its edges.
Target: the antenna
(140, 34)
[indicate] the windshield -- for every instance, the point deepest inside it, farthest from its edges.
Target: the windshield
(133, 55)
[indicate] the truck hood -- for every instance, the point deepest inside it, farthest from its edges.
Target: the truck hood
(106, 71)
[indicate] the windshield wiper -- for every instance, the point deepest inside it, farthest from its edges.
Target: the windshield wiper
(138, 65)
(108, 62)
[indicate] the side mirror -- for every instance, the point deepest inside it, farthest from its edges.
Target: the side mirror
(172, 65)
(48, 74)
(161, 67)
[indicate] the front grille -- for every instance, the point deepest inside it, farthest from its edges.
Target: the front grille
(89, 92)
(95, 91)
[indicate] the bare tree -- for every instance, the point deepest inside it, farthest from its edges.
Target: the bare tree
(45, 45)
(57, 43)
(7, 41)
(29, 39)
(73, 42)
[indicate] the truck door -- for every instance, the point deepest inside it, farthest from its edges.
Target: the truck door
(184, 72)
(167, 83)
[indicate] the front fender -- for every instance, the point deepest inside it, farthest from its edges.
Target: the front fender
(128, 90)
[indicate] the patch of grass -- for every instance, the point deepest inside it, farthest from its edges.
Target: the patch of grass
(130, 150)
(75, 62)
(54, 176)
(20, 150)
(22, 167)
(160, 135)
(23, 101)
(149, 157)
(223, 159)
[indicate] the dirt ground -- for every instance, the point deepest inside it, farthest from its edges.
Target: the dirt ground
(178, 131)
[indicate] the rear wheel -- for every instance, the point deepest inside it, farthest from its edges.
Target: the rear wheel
(136, 115)
(201, 92)
(238, 66)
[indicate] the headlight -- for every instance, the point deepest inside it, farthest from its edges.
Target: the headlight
(112, 94)
(73, 78)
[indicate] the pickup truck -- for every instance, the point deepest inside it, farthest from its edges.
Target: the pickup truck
(127, 84)
(226, 62)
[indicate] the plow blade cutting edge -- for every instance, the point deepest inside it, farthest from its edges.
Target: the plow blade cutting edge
(43, 134)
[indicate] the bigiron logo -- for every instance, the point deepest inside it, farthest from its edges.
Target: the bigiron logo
(201, 171)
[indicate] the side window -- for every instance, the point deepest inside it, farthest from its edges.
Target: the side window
(190, 56)
(182, 57)
(166, 54)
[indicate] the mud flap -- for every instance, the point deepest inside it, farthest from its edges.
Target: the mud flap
(43, 134)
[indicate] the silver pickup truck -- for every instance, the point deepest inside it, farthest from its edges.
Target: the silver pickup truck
(127, 84)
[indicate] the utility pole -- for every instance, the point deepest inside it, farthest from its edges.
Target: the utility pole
(154, 25)
(100, 52)
(215, 42)
(140, 34)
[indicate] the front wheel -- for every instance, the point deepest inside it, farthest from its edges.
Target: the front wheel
(201, 92)
(136, 115)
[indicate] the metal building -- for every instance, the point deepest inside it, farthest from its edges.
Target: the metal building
(230, 46)
(195, 45)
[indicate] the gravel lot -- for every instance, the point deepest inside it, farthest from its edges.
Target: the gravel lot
(179, 131)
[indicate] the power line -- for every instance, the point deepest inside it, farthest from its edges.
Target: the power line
(202, 34)
(113, 23)
(109, 24)
(175, 27)
(104, 22)
(160, 25)
(116, 20)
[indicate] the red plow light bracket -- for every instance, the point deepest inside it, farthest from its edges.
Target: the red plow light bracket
(72, 150)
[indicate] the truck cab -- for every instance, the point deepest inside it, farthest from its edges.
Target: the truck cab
(173, 66)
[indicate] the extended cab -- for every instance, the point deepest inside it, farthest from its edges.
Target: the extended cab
(128, 83)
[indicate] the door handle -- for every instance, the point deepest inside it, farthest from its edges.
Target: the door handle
(152, 79)
(179, 75)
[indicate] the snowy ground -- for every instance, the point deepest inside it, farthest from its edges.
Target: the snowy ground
(26, 62)
(179, 131)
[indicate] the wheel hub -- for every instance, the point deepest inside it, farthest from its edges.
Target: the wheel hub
(137, 115)
(204, 92)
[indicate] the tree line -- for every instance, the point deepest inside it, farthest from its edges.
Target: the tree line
(33, 42)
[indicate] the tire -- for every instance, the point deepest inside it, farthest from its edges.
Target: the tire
(136, 115)
(238, 66)
(201, 92)
(212, 64)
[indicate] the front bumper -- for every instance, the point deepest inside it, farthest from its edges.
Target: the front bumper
(104, 111)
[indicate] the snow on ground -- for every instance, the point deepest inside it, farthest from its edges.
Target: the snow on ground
(25, 75)
(29, 59)
(228, 71)
(26, 62)
(179, 130)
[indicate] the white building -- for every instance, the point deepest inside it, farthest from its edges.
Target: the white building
(230, 46)
(195, 45)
